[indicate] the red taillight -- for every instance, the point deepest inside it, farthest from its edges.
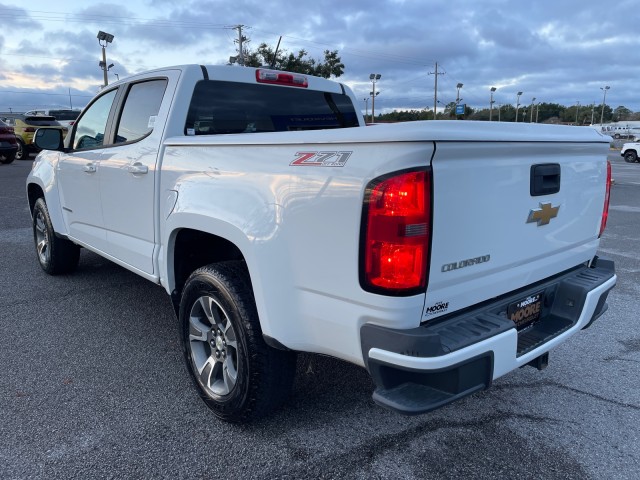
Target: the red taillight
(281, 78)
(396, 233)
(605, 211)
(29, 129)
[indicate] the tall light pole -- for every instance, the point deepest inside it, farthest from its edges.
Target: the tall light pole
(537, 111)
(104, 39)
(493, 89)
(593, 109)
(532, 100)
(459, 86)
(604, 99)
(517, 104)
(366, 108)
(577, 110)
(374, 77)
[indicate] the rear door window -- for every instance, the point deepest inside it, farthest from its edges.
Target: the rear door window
(219, 107)
(140, 110)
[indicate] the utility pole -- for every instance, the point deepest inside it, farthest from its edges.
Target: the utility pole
(435, 92)
(577, 110)
(240, 41)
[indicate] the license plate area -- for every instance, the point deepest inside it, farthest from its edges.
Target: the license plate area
(526, 311)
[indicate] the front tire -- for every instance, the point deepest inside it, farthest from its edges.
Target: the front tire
(55, 255)
(631, 156)
(23, 151)
(237, 374)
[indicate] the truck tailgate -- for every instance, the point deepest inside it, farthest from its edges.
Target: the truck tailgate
(509, 214)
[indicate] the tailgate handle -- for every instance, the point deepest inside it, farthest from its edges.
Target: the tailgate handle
(545, 179)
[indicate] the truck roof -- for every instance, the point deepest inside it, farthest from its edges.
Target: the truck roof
(242, 74)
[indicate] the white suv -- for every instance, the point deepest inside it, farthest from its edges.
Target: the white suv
(66, 118)
(630, 152)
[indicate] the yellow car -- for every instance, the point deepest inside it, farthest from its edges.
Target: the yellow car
(25, 127)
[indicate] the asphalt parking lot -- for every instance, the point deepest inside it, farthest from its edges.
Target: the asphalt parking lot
(93, 385)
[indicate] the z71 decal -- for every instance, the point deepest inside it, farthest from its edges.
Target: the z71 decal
(321, 159)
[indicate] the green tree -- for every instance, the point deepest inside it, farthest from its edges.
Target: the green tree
(621, 113)
(299, 62)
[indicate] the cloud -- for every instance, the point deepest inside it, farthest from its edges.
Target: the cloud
(562, 54)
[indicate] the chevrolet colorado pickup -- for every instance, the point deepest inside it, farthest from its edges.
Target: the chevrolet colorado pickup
(437, 255)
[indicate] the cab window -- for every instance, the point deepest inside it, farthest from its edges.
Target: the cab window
(90, 129)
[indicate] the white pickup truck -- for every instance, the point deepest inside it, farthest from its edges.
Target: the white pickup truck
(437, 255)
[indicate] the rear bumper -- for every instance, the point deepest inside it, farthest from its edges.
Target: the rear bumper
(424, 368)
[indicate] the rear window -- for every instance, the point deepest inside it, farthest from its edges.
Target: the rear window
(64, 114)
(41, 121)
(219, 107)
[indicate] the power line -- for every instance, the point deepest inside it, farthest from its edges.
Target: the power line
(43, 93)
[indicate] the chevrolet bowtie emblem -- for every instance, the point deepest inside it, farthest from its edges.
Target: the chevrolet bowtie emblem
(543, 214)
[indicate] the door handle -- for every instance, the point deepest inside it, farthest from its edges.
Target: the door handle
(90, 167)
(138, 168)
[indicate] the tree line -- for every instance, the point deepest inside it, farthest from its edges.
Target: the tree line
(540, 113)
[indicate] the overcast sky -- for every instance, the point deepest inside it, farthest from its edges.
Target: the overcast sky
(560, 51)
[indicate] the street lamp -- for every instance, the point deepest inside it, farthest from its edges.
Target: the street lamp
(577, 110)
(366, 107)
(374, 77)
(537, 111)
(517, 104)
(104, 39)
(604, 98)
(493, 89)
(532, 100)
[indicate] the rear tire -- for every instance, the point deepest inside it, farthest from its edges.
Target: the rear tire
(237, 374)
(6, 159)
(56, 255)
(630, 156)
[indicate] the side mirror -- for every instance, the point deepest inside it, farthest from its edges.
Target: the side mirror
(49, 139)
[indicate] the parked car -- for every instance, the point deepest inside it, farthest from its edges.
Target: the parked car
(8, 143)
(66, 118)
(25, 127)
(630, 152)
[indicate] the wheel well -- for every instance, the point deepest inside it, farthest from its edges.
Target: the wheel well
(34, 192)
(194, 249)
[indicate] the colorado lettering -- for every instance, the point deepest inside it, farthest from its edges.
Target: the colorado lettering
(465, 263)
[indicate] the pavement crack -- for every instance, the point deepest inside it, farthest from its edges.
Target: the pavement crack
(565, 387)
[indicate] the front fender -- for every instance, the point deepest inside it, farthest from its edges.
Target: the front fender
(43, 175)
